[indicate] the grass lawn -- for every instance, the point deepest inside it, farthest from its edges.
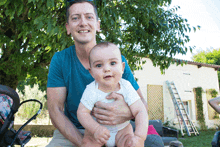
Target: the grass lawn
(203, 140)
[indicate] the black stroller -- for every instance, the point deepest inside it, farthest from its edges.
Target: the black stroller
(10, 102)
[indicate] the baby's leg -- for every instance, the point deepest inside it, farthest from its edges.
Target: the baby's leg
(89, 140)
(124, 135)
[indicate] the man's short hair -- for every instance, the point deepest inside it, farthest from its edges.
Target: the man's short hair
(69, 4)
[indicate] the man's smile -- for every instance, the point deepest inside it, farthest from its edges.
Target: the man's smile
(84, 31)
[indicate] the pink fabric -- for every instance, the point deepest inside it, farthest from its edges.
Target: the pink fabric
(151, 130)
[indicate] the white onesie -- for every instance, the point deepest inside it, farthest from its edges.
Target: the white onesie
(92, 94)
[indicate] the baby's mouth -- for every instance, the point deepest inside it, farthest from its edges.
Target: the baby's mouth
(106, 77)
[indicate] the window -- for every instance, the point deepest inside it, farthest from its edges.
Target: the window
(186, 105)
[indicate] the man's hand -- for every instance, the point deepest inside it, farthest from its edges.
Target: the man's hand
(112, 113)
(102, 135)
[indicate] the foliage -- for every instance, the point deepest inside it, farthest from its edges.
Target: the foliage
(30, 81)
(213, 92)
(199, 105)
(168, 123)
(27, 110)
(210, 56)
(31, 31)
(148, 30)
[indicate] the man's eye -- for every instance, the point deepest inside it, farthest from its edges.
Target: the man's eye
(98, 65)
(113, 63)
(75, 18)
(89, 17)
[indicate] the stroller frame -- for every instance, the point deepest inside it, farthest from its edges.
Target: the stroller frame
(9, 137)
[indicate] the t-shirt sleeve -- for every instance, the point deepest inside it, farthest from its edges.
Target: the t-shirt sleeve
(128, 74)
(55, 75)
(88, 98)
(131, 94)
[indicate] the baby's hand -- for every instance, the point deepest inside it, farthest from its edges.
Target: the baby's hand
(102, 135)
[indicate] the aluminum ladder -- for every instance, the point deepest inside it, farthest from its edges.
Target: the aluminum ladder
(182, 115)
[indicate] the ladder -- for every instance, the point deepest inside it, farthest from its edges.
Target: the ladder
(182, 115)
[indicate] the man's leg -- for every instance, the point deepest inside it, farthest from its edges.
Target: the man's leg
(59, 140)
(152, 140)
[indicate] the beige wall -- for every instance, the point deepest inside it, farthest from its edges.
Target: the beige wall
(186, 78)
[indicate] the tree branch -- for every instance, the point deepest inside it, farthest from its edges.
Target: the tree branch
(26, 43)
(35, 49)
(25, 14)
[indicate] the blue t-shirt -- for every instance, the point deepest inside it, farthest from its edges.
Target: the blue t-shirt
(67, 71)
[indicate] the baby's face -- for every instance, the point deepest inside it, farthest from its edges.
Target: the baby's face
(106, 66)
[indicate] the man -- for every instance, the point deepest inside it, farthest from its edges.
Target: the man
(69, 75)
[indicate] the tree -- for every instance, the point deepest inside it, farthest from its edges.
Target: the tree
(32, 31)
(210, 56)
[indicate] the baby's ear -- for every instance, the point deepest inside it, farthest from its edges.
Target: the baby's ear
(90, 71)
(123, 66)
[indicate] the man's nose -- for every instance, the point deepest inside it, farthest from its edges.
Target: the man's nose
(83, 20)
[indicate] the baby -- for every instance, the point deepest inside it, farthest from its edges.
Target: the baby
(106, 67)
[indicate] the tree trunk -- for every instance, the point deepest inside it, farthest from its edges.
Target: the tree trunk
(8, 80)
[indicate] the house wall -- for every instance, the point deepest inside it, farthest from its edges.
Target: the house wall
(186, 78)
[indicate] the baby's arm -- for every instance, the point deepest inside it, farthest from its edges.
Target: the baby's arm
(101, 133)
(141, 120)
(214, 103)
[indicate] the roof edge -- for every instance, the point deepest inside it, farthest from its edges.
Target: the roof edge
(199, 64)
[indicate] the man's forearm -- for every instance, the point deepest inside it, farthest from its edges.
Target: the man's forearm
(66, 128)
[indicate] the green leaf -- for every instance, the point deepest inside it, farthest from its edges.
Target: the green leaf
(2, 2)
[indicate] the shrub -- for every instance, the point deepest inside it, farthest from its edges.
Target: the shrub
(27, 110)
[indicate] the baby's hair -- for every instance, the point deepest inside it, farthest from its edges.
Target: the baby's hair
(102, 45)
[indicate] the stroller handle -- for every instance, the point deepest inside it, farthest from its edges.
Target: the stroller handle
(13, 94)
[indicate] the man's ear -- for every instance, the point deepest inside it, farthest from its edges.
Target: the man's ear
(98, 26)
(67, 29)
(123, 67)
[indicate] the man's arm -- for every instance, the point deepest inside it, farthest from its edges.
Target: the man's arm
(214, 103)
(116, 112)
(55, 101)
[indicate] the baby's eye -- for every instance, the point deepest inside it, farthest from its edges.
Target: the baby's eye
(98, 65)
(113, 63)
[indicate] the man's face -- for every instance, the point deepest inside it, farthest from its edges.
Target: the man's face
(83, 23)
(106, 66)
